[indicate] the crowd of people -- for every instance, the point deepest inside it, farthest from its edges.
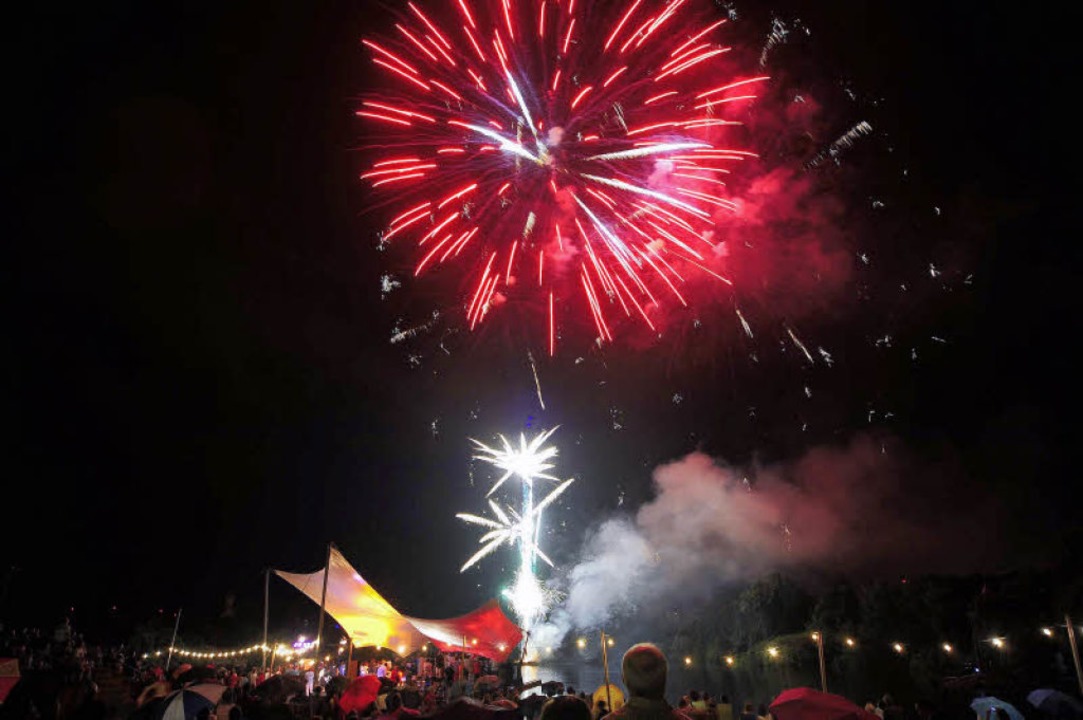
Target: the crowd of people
(62, 676)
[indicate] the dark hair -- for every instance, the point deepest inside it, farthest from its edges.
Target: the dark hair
(693, 695)
(644, 669)
(567, 707)
(725, 699)
(762, 712)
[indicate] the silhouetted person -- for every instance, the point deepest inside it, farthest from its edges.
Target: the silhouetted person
(567, 707)
(644, 670)
(725, 710)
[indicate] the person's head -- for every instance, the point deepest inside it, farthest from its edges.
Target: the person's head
(644, 670)
(567, 707)
(762, 712)
(725, 700)
(870, 706)
(748, 707)
(570, 690)
(693, 695)
(682, 703)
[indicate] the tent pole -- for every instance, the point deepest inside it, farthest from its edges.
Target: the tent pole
(266, 614)
(349, 656)
(323, 602)
(173, 642)
(823, 666)
(605, 668)
(1075, 651)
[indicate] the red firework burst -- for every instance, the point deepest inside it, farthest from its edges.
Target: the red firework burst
(567, 152)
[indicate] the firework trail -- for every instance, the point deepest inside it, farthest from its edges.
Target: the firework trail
(528, 463)
(845, 142)
(567, 156)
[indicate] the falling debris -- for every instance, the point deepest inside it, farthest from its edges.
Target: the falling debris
(800, 345)
(387, 284)
(537, 383)
(837, 148)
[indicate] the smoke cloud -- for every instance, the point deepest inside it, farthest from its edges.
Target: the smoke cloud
(865, 508)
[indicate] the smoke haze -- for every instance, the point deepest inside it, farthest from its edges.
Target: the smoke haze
(862, 508)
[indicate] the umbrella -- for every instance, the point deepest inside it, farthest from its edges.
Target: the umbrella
(180, 705)
(279, 688)
(984, 706)
(607, 693)
(528, 686)
(211, 691)
(360, 694)
(1056, 703)
(809, 704)
(469, 709)
(151, 692)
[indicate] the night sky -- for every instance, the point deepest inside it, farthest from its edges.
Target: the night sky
(200, 382)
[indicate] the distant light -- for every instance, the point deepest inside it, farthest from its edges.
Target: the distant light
(850, 642)
(300, 638)
(424, 648)
(730, 660)
(897, 647)
(687, 660)
(816, 636)
(610, 642)
(1048, 632)
(998, 643)
(772, 651)
(402, 649)
(474, 641)
(549, 650)
(581, 643)
(342, 641)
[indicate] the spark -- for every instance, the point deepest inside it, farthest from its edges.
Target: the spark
(529, 462)
(506, 112)
(537, 383)
(800, 345)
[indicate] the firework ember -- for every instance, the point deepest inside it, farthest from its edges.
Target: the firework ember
(569, 157)
(528, 463)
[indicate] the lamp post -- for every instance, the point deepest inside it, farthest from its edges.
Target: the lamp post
(1075, 651)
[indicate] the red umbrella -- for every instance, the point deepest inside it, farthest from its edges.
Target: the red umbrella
(360, 694)
(809, 704)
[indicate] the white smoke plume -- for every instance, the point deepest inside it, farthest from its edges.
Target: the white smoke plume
(863, 508)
